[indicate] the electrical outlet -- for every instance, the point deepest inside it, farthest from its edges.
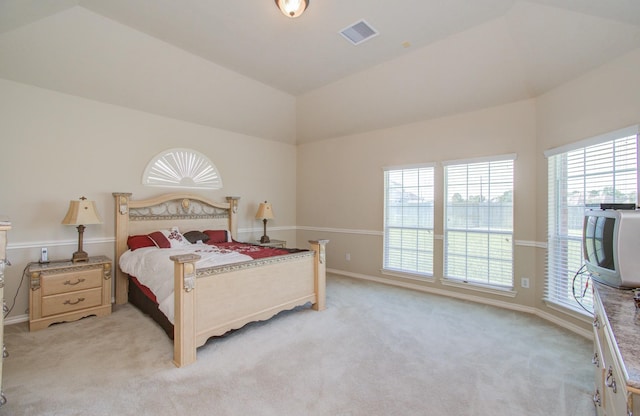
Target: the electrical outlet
(524, 282)
(347, 256)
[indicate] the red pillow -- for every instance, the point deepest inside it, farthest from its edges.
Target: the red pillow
(139, 241)
(159, 239)
(217, 236)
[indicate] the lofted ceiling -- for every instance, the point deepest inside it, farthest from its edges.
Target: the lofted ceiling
(545, 42)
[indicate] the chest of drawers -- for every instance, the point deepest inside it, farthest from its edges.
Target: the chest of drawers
(616, 355)
(66, 291)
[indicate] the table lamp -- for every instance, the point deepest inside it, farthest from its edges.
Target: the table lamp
(265, 212)
(81, 213)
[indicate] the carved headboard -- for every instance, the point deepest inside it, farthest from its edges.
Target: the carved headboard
(183, 210)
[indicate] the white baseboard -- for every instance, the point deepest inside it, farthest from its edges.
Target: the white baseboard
(16, 319)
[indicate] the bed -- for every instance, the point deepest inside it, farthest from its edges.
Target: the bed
(213, 300)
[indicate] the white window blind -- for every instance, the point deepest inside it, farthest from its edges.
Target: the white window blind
(408, 220)
(603, 170)
(479, 222)
(181, 168)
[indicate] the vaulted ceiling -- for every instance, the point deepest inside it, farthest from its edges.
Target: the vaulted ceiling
(540, 44)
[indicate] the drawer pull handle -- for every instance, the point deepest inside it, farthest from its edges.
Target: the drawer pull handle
(610, 381)
(68, 282)
(68, 302)
(596, 398)
(596, 323)
(595, 360)
(5, 352)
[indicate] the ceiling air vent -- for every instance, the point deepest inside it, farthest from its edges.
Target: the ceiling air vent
(359, 32)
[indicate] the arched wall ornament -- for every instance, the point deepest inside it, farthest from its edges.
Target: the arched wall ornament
(182, 168)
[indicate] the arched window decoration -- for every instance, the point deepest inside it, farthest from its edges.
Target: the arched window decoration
(182, 168)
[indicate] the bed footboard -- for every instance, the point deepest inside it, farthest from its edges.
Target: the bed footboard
(213, 301)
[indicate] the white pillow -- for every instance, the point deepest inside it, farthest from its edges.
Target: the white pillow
(175, 238)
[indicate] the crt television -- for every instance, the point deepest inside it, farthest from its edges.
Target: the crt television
(611, 246)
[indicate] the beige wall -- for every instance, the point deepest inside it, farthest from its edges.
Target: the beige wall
(340, 188)
(59, 147)
(340, 184)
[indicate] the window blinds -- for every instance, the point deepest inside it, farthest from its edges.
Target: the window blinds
(479, 221)
(408, 219)
(604, 169)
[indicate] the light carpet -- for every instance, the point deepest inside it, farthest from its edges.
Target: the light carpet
(375, 350)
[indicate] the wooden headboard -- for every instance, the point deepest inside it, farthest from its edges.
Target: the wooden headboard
(183, 210)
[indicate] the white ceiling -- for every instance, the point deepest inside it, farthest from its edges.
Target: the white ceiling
(558, 39)
(463, 55)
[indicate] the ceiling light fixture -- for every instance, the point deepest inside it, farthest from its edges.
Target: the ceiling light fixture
(292, 8)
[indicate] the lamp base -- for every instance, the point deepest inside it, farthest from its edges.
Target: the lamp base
(80, 256)
(265, 237)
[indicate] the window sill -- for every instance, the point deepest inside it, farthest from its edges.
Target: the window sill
(576, 313)
(479, 287)
(410, 276)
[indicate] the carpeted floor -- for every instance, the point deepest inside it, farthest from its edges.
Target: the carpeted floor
(376, 350)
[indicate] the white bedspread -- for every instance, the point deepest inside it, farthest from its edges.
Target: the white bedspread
(153, 268)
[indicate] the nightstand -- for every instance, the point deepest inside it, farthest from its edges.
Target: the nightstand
(273, 243)
(64, 291)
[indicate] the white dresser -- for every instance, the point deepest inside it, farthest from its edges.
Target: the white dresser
(5, 226)
(616, 354)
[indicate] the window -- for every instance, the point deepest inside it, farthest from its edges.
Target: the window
(408, 220)
(601, 169)
(182, 168)
(478, 229)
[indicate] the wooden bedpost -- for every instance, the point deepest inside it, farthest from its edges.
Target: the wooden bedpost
(184, 327)
(122, 225)
(233, 215)
(320, 273)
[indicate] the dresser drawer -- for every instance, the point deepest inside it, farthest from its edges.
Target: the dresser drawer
(615, 388)
(71, 281)
(73, 301)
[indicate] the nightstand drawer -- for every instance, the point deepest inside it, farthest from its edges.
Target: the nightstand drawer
(68, 302)
(72, 281)
(64, 291)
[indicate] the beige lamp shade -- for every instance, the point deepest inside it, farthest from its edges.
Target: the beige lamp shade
(265, 211)
(81, 213)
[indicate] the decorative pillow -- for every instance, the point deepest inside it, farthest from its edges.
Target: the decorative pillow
(195, 236)
(218, 236)
(139, 241)
(159, 239)
(175, 238)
